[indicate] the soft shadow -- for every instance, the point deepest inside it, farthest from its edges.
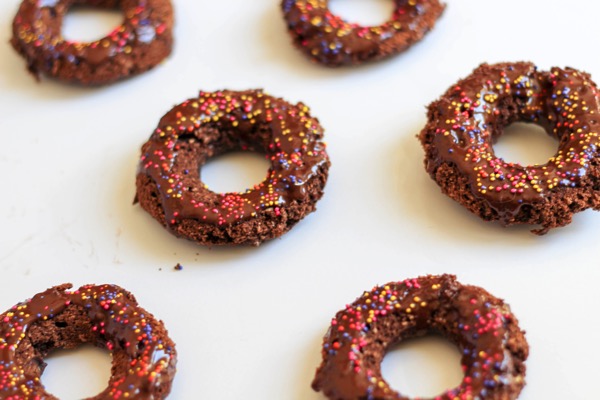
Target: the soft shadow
(423, 367)
(526, 144)
(77, 373)
(138, 227)
(422, 352)
(88, 23)
(235, 171)
(365, 13)
(421, 200)
(16, 80)
(308, 367)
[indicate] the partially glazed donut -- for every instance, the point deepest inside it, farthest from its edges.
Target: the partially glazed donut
(169, 186)
(143, 40)
(493, 346)
(328, 39)
(143, 355)
(466, 121)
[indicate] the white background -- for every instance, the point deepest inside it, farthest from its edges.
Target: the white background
(248, 322)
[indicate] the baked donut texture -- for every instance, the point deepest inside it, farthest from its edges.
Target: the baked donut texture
(143, 355)
(168, 182)
(465, 122)
(494, 349)
(143, 40)
(328, 39)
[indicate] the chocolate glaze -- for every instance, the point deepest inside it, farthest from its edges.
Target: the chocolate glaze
(482, 326)
(116, 323)
(328, 39)
(215, 123)
(142, 41)
(466, 121)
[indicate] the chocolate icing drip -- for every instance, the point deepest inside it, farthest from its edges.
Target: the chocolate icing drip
(218, 122)
(328, 39)
(141, 41)
(117, 323)
(482, 326)
(471, 116)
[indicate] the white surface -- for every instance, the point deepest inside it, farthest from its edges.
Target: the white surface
(248, 322)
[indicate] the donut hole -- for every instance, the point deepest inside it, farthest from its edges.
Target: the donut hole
(87, 24)
(234, 171)
(423, 367)
(525, 144)
(363, 12)
(77, 373)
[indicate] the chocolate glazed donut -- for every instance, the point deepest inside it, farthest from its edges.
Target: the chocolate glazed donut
(493, 347)
(470, 116)
(143, 355)
(328, 39)
(169, 186)
(143, 40)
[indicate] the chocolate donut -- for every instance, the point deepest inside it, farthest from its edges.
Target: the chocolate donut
(168, 180)
(471, 115)
(328, 39)
(143, 355)
(143, 40)
(493, 347)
